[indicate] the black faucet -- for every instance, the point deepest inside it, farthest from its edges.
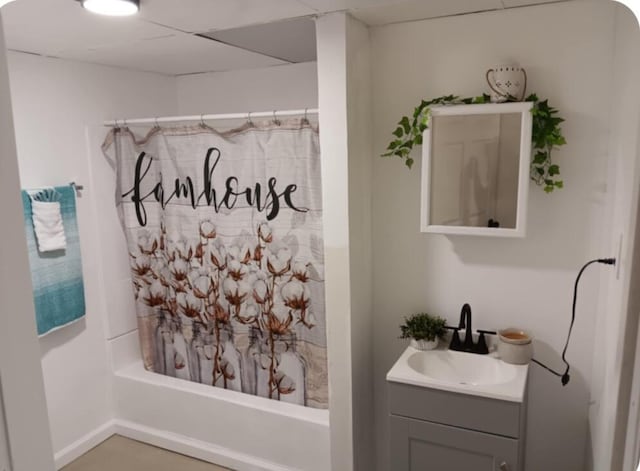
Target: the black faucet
(465, 323)
(468, 345)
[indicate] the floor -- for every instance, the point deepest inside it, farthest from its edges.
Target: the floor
(122, 454)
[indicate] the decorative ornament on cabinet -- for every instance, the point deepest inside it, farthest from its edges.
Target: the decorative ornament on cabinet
(507, 83)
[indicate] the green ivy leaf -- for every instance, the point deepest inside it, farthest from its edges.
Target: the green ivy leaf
(540, 157)
(404, 122)
(398, 132)
(553, 170)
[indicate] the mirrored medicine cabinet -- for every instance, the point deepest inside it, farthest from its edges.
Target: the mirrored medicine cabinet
(475, 169)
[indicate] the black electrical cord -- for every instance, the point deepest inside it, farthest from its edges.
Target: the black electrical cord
(565, 377)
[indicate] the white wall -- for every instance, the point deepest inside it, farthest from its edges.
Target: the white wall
(56, 105)
(618, 319)
(360, 239)
(284, 87)
(626, 448)
(566, 49)
(21, 385)
(4, 444)
(331, 31)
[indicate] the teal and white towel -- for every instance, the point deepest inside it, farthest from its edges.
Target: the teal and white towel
(58, 288)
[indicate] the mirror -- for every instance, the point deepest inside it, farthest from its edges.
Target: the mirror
(475, 169)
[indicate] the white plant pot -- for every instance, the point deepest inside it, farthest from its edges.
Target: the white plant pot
(424, 344)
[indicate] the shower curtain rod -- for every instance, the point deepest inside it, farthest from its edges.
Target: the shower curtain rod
(210, 117)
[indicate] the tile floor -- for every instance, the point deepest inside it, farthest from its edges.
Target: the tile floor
(121, 454)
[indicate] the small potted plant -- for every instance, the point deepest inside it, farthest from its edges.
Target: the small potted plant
(424, 330)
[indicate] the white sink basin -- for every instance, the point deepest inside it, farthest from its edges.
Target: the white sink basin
(461, 368)
(468, 373)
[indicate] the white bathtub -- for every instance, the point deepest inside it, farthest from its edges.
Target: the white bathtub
(235, 430)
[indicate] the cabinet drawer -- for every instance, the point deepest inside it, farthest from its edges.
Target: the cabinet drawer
(459, 410)
(424, 446)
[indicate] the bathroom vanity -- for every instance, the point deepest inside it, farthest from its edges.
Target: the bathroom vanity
(456, 411)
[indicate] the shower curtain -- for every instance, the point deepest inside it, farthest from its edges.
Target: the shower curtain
(224, 233)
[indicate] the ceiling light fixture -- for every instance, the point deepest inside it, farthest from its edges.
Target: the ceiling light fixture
(112, 7)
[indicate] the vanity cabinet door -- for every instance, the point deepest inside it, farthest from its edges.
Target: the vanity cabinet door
(417, 445)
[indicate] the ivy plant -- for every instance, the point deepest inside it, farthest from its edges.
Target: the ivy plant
(546, 135)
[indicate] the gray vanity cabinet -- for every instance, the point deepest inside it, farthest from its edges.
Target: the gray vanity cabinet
(418, 445)
(433, 430)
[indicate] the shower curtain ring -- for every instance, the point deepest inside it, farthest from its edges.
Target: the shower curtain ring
(125, 122)
(116, 123)
(202, 120)
(275, 119)
(306, 120)
(249, 122)
(156, 121)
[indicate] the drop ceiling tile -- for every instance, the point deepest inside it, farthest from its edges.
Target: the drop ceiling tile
(325, 6)
(175, 55)
(289, 40)
(50, 26)
(522, 3)
(419, 9)
(207, 15)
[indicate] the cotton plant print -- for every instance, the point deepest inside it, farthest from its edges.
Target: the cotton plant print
(228, 272)
(257, 282)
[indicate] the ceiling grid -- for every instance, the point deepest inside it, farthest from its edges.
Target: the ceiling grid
(194, 36)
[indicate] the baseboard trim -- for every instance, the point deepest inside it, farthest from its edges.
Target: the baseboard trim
(195, 448)
(170, 441)
(84, 444)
